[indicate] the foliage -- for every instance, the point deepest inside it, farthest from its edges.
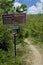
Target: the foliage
(23, 6)
(35, 26)
(21, 9)
(6, 5)
(6, 38)
(35, 29)
(6, 46)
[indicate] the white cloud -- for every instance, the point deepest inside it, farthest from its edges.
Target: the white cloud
(41, 0)
(35, 9)
(16, 4)
(32, 10)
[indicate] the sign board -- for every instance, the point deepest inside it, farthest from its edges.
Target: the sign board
(14, 18)
(15, 27)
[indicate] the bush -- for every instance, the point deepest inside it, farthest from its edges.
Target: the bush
(6, 46)
(6, 37)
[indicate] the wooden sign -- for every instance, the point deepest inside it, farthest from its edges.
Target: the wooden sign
(14, 18)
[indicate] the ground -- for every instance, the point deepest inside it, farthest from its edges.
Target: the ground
(37, 57)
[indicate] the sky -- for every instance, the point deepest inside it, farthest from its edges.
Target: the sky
(33, 6)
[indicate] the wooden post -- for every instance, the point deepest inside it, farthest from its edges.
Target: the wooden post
(15, 42)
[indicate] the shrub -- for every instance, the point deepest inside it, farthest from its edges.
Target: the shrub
(6, 38)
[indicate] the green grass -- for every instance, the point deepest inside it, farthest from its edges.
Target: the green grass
(35, 29)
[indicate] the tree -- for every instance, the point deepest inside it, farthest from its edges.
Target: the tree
(21, 8)
(6, 6)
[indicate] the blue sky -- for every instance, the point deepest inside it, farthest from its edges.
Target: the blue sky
(28, 2)
(33, 6)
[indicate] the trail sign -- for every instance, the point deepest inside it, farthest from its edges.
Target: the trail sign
(14, 18)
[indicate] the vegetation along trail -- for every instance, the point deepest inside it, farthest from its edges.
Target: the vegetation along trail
(37, 58)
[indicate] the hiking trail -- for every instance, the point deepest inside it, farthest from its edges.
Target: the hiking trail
(37, 58)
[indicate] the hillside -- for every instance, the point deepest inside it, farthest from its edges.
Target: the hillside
(35, 29)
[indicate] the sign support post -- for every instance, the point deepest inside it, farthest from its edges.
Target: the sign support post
(15, 43)
(14, 32)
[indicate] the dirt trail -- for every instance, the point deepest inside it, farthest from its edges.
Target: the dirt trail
(37, 58)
